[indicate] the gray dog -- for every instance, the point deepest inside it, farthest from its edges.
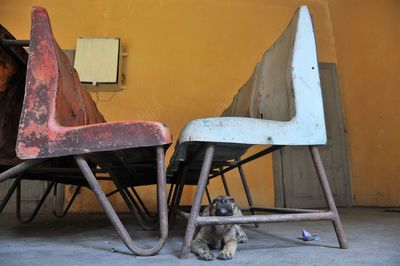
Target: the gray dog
(217, 236)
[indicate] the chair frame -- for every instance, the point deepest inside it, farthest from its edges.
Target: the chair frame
(291, 215)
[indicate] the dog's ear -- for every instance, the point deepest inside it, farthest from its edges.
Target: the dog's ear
(206, 211)
(237, 211)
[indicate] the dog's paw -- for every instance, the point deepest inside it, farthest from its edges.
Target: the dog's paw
(225, 255)
(206, 256)
(242, 238)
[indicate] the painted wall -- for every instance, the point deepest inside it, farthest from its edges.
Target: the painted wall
(367, 38)
(187, 58)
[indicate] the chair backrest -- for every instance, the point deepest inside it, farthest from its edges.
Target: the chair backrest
(53, 96)
(58, 116)
(285, 84)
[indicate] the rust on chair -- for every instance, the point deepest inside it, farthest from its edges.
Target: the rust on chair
(59, 117)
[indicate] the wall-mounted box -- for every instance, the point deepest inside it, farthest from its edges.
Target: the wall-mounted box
(99, 63)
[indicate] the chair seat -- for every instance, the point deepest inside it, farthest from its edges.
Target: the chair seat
(252, 131)
(62, 141)
(234, 135)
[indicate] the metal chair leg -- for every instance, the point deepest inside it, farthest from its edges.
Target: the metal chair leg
(176, 199)
(171, 189)
(224, 183)
(152, 217)
(38, 206)
(141, 210)
(194, 213)
(247, 191)
(174, 188)
(180, 187)
(337, 224)
(208, 196)
(20, 168)
(63, 213)
(109, 194)
(10, 191)
(171, 204)
(132, 205)
(112, 215)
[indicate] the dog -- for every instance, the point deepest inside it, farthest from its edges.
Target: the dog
(217, 236)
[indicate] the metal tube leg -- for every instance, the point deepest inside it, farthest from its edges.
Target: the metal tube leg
(337, 224)
(176, 199)
(20, 168)
(179, 196)
(171, 203)
(208, 196)
(139, 214)
(172, 214)
(38, 206)
(194, 213)
(180, 187)
(247, 191)
(132, 205)
(9, 193)
(162, 195)
(63, 213)
(225, 184)
(112, 192)
(112, 215)
(175, 188)
(142, 204)
(171, 188)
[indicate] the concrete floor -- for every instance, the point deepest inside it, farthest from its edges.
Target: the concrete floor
(373, 235)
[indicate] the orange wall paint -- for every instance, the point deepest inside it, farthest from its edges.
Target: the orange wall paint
(187, 59)
(367, 38)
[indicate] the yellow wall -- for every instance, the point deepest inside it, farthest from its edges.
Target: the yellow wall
(187, 58)
(367, 38)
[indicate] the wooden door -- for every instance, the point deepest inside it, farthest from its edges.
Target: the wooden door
(296, 180)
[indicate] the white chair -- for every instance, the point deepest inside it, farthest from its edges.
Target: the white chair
(281, 104)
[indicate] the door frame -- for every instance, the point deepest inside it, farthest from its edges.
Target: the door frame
(279, 183)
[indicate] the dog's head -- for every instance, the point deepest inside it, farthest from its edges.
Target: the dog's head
(223, 206)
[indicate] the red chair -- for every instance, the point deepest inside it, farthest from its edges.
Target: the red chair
(59, 119)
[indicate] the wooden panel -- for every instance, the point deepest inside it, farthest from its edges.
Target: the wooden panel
(300, 187)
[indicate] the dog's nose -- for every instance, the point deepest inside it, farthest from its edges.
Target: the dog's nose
(222, 212)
